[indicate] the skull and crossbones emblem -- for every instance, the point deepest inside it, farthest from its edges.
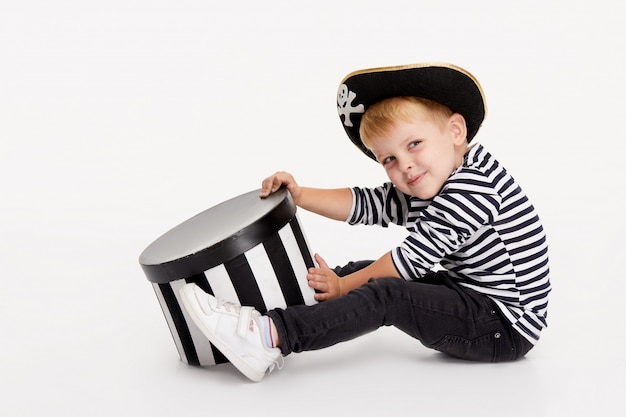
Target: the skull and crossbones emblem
(345, 108)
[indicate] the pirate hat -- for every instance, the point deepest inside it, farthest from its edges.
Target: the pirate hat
(446, 84)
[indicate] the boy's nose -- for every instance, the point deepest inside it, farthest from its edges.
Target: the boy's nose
(406, 164)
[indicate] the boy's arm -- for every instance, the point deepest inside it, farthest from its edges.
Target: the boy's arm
(330, 286)
(332, 203)
(381, 268)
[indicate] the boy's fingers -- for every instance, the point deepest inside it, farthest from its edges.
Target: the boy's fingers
(269, 185)
(320, 261)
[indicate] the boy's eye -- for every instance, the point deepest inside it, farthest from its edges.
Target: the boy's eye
(388, 160)
(414, 144)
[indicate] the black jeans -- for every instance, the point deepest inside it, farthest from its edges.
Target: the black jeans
(434, 310)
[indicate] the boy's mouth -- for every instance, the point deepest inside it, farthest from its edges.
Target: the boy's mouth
(415, 180)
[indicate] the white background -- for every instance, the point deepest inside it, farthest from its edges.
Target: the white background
(120, 119)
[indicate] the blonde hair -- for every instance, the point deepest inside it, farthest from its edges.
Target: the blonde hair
(381, 116)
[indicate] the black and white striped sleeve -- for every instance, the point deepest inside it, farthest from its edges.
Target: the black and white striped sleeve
(379, 206)
(451, 219)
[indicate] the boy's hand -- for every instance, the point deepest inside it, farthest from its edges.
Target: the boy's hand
(324, 280)
(273, 183)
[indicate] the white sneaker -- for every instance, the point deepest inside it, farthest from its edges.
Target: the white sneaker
(236, 331)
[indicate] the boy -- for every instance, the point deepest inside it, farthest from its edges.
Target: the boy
(462, 210)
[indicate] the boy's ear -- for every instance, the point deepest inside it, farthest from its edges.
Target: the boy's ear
(458, 128)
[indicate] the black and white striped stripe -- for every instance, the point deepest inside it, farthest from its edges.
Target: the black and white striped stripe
(270, 275)
(481, 227)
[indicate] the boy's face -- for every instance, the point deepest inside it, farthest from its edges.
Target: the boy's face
(419, 156)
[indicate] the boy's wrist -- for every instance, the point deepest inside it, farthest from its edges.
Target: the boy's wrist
(341, 285)
(349, 282)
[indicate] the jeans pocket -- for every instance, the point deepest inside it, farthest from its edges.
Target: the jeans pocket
(482, 349)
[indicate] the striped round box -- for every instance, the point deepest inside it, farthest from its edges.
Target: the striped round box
(247, 250)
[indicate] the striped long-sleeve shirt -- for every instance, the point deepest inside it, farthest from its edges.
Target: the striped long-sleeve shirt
(481, 228)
